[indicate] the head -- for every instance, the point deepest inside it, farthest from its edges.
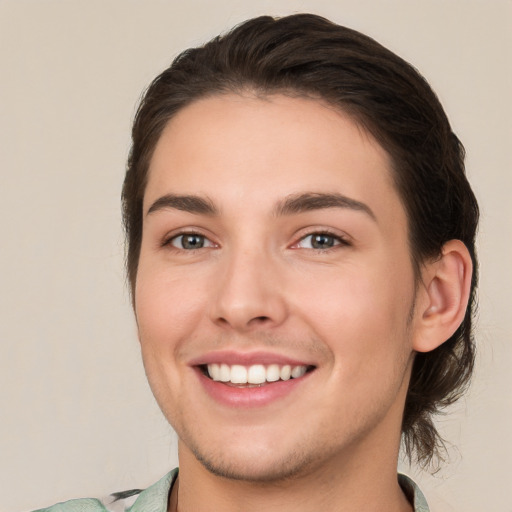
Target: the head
(305, 56)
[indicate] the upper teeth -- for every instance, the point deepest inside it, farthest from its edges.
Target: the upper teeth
(255, 374)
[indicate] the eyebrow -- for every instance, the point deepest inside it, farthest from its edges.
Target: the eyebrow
(293, 204)
(187, 203)
(300, 203)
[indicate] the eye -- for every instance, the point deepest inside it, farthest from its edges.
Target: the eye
(320, 241)
(190, 241)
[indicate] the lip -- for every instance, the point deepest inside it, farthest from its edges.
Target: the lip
(248, 397)
(246, 359)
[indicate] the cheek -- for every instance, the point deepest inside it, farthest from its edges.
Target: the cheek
(167, 308)
(167, 311)
(362, 316)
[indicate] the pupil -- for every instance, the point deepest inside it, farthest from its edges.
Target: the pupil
(192, 242)
(322, 241)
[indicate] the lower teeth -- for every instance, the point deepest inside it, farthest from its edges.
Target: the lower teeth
(246, 385)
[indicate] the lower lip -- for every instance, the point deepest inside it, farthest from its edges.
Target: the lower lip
(245, 397)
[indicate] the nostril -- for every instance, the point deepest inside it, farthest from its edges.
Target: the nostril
(243, 324)
(261, 319)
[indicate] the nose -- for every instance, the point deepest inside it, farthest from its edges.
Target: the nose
(250, 293)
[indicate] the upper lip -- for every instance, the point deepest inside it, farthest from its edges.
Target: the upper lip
(232, 357)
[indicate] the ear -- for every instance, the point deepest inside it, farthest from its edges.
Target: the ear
(443, 297)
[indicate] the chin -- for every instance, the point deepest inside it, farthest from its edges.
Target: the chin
(248, 469)
(253, 458)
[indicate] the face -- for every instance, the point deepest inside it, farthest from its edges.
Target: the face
(275, 287)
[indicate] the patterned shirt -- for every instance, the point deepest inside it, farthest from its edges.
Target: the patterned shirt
(155, 498)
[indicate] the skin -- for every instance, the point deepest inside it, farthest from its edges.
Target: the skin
(354, 311)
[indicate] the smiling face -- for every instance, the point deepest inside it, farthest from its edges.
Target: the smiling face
(275, 290)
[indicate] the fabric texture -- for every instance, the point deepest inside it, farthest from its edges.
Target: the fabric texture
(154, 498)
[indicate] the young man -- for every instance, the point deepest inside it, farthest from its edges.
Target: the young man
(301, 256)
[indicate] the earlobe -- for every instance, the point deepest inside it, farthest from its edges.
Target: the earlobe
(445, 295)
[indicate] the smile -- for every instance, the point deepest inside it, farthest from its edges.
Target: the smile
(256, 374)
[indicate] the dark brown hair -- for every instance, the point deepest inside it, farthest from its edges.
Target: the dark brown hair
(306, 55)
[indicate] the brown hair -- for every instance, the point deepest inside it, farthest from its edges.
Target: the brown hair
(307, 55)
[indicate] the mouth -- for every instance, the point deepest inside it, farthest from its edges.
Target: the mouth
(256, 375)
(251, 379)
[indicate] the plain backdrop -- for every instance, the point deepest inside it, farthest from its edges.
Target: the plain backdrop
(76, 415)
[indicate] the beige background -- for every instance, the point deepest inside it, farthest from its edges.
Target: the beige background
(77, 417)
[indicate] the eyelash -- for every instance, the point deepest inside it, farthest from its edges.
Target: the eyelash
(338, 241)
(168, 242)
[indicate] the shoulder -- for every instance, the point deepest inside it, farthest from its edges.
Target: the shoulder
(153, 498)
(413, 492)
(81, 505)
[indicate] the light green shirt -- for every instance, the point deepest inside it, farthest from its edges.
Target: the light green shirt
(155, 498)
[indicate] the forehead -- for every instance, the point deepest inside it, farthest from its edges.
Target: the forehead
(248, 150)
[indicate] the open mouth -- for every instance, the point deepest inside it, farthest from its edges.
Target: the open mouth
(254, 375)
